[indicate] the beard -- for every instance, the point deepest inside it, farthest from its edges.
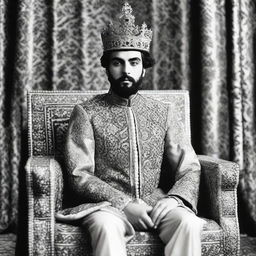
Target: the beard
(123, 89)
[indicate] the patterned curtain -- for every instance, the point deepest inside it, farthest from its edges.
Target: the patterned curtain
(205, 46)
(10, 124)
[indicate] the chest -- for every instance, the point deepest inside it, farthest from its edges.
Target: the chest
(117, 125)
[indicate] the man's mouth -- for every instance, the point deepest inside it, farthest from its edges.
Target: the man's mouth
(126, 79)
(126, 82)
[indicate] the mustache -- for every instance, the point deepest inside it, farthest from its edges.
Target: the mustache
(125, 78)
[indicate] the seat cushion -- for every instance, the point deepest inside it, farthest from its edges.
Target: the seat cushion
(73, 240)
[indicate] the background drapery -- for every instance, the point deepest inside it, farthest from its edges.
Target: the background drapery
(205, 46)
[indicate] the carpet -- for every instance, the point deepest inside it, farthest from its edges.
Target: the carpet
(247, 246)
(7, 245)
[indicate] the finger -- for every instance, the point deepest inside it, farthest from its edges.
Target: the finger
(142, 225)
(154, 209)
(157, 211)
(161, 216)
(149, 208)
(147, 220)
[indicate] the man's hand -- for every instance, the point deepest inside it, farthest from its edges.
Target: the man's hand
(161, 209)
(137, 214)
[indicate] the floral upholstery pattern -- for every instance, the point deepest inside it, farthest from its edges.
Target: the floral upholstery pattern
(48, 115)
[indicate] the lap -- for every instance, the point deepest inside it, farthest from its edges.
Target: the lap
(102, 218)
(108, 221)
(180, 217)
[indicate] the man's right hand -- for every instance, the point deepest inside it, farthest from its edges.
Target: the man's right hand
(137, 215)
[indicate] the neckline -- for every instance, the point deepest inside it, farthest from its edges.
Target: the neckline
(117, 100)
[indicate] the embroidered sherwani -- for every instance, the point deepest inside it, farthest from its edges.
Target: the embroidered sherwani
(115, 150)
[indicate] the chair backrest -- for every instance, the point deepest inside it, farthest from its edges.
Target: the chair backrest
(49, 112)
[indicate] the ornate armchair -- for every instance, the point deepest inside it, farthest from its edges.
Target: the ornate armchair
(48, 116)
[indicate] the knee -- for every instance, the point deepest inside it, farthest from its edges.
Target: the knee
(189, 223)
(105, 224)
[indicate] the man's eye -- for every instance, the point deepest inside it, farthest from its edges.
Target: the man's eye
(116, 63)
(134, 63)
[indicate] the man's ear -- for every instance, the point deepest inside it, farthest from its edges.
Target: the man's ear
(143, 72)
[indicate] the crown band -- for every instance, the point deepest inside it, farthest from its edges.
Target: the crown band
(125, 43)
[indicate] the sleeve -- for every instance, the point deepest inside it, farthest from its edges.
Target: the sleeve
(184, 162)
(80, 163)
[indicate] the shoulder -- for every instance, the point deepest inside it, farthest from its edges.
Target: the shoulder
(86, 108)
(95, 101)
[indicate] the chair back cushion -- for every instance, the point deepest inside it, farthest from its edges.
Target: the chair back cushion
(49, 112)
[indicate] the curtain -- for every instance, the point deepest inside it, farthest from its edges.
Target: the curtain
(10, 124)
(204, 46)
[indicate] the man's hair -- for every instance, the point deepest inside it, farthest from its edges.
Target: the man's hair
(147, 60)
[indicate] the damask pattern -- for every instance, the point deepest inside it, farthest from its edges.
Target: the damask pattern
(171, 44)
(236, 89)
(24, 72)
(77, 49)
(45, 192)
(42, 22)
(224, 186)
(57, 46)
(248, 157)
(142, 244)
(68, 55)
(5, 204)
(106, 121)
(44, 108)
(47, 111)
(215, 119)
(221, 179)
(10, 133)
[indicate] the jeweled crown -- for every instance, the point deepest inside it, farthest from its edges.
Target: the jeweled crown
(123, 34)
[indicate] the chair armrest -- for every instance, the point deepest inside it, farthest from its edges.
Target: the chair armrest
(45, 187)
(221, 179)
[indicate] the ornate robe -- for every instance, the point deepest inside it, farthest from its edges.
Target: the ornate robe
(118, 150)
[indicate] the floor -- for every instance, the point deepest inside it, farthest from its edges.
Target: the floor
(248, 246)
(7, 245)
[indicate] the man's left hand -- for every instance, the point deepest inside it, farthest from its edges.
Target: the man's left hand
(161, 209)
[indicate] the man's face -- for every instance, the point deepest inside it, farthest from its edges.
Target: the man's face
(125, 72)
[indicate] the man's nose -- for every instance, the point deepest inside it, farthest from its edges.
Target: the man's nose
(126, 69)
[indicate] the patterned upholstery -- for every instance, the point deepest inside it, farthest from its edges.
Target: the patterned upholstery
(48, 115)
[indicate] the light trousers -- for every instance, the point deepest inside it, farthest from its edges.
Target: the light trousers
(180, 231)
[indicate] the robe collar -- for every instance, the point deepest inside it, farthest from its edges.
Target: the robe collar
(117, 100)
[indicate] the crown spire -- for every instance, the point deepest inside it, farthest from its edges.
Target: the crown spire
(122, 33)
(126, 9)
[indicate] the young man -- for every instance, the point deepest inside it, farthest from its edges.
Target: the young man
(114, 152)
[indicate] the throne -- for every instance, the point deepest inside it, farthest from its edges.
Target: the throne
(48, 117)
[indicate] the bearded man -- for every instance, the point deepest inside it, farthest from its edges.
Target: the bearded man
(114, 151)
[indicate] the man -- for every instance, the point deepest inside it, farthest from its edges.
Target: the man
(115, 147)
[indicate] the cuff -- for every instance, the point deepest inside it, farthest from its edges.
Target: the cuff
(179, 201)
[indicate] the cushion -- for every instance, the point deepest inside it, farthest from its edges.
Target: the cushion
(73, 240)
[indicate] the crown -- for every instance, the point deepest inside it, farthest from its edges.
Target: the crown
(123, 34)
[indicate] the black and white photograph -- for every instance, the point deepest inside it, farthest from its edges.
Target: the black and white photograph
(128, 128)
